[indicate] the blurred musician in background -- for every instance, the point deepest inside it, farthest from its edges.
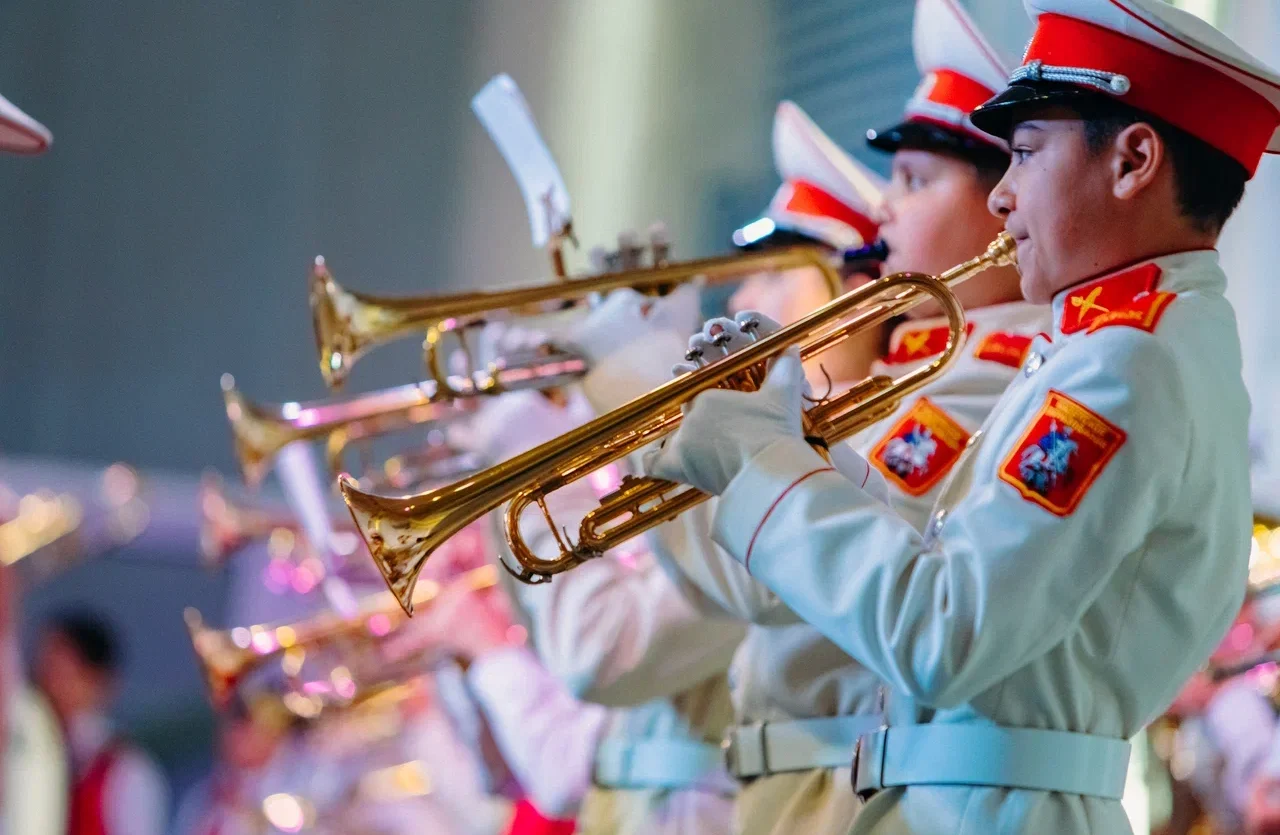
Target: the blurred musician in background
(252, 732)
(116, 788)
(651, 762)
(33, 782)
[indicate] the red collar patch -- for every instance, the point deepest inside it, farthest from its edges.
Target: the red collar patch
(1099, 299)
(920, 448)
(1061, 454)
(912, 345)
(1005, 348)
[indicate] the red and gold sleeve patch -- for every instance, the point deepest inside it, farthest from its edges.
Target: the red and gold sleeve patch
(1062, 454)
(1005, 348)
(1143, 314)
(920, 448)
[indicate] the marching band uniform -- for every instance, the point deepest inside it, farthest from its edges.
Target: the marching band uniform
(1026, 633)
(655, 763)
(793, 686)
(117, 789)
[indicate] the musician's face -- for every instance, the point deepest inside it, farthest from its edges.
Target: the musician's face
(934, 215)
(783, 296)
(1054, 200)
(72, 685)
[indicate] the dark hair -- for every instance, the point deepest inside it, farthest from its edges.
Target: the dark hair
(1210, 183)
(92, 636)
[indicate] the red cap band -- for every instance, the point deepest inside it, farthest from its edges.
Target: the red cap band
(808, 199)
(952, 89)
(1187, 94)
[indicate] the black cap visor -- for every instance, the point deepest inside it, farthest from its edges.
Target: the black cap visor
(1001, 115)
(925, 136)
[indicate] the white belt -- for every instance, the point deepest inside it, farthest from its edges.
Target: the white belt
(795, 745)
(989, 755)
(654, 763)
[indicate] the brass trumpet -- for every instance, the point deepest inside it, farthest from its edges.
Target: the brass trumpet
(45, 532)
(401, 533)
(227, 656)
(348, 324)
(226, 527)
(260, 432)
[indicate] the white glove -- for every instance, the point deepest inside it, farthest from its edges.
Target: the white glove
(725, 336)
(509, 424)
(724, 429)
(630, 341)
(626, 317)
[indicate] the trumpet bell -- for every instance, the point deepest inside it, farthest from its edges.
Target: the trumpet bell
(222, 663)
(390, 528)
(257, 436)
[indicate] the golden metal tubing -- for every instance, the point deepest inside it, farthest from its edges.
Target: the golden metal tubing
(227, 656)
(261, 431)
(401, 533)
(348, 324)
(226, 527)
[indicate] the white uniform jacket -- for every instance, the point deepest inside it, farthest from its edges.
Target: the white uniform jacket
(1087, 554)
(786, 670)
(620, 632)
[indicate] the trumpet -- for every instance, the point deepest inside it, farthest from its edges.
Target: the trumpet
(260, 432)
(227, 527)
(227, 656)
(348, 324)
(401, 533)
(47, 532)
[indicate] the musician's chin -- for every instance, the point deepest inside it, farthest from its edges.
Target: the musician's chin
(1035, 286)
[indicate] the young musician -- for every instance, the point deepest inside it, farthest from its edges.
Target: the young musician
(792, 686)
(1092, 545)
(116, 787)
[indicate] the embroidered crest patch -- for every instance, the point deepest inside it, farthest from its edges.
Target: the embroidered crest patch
(914, 344)
(1006, 348)
(1061, 454)
(920, 448)
(1097, 300)
(1143, 313)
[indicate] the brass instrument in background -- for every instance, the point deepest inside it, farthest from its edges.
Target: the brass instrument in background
(348, 324)
(227, 527)
(45, 532)
(401, 533)
(227, 656)
(260, 432)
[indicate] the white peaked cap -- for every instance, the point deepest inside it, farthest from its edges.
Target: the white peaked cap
(19, 133)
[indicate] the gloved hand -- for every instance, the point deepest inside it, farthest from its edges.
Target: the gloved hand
(461, 622)
(630, 341)
(725, 336)
(512, 423)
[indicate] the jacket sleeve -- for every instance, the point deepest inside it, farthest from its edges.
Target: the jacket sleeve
(946, 619)
(547, 737)
(619, 630)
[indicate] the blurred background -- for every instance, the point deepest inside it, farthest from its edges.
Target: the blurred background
(204, 153)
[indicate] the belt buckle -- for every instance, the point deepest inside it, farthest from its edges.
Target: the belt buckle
(732, 759)
(868, 764)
